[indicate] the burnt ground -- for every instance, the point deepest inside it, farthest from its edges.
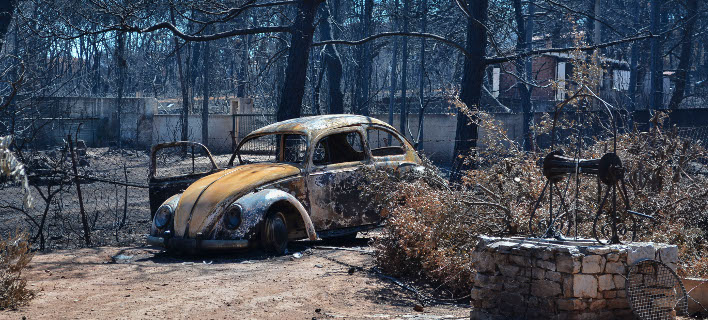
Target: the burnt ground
(113, 218)
(119, 277)
(141, 283)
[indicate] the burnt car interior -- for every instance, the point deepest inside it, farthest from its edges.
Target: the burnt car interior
(339, 148)
(294, 147)
(174, 166)
(267, 149)
(383, 143)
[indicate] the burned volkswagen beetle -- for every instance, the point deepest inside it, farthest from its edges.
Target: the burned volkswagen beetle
(294, 179)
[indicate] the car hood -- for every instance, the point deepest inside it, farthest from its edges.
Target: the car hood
(201, 198)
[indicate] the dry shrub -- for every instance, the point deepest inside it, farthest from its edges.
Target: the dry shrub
(12, 168)
(666, 177)
(15, 255)
(431, 228)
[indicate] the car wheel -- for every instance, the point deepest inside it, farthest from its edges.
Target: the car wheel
(275, 233)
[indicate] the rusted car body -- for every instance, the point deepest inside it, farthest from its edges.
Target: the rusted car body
(303, 182)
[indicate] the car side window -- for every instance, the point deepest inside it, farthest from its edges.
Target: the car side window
(339, 148)
(294, 148)
(384, 143)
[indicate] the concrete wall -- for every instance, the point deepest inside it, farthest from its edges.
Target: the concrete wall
(53, 118)
(438, 141)
(438, 134)
(142, 127)
(167, 127)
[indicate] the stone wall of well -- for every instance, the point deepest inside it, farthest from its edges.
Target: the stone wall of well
(539, 279)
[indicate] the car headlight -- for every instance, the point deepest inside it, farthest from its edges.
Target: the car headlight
(163, 216)
(232, 216)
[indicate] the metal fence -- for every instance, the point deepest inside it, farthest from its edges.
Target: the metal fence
(243, 124)
(698, 135)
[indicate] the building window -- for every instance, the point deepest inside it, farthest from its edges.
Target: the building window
(560, 80)
(620, 80)
(495, 82)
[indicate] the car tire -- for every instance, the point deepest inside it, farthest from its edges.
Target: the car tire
(275, 233)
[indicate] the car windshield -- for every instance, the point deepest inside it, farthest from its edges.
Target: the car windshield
(267, 148)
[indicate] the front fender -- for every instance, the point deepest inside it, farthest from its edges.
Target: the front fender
(255, 206)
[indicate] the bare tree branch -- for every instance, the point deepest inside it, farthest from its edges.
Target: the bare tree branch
(589, 16)
(14, 85)
(215, 36)
(393, 34)
(494, 60)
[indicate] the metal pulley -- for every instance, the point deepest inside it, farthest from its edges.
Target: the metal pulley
(609, 168)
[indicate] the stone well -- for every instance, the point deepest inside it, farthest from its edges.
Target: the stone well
(518, 278)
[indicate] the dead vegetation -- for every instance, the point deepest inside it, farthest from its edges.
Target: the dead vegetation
(15, 255)
(431, 227)
(114, 200)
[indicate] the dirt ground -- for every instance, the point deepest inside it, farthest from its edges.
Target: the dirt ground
(119, 278)
(312, 282)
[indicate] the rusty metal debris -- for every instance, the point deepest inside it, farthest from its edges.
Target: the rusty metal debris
(611, 225)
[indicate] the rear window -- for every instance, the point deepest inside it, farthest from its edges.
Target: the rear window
(384, 143)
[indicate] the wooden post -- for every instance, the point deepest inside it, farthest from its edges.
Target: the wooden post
(84, 221)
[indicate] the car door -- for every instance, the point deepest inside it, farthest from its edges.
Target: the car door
(336, 172)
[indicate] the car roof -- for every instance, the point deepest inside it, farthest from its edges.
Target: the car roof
(314, 125)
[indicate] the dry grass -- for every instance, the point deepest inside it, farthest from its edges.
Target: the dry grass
(15, 255)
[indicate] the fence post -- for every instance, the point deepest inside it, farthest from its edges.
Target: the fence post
(84, 221)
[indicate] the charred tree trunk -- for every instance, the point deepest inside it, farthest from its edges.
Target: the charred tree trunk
(523, 43)
(657, 65)
(394, 71)
(471, 87)
(290, 105)
(394, 78)
(316, 106)
(528, 108)
(206, 79)
(421, 76)
(121, 64)
(686, 52)
(243, 67)
(96, 69)
(365, 81)
(183, 88)
(332, 62)
(403, 119)
(633, 70)
(597, 32)
(192, 61)
(84, 220)
(7, 9)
